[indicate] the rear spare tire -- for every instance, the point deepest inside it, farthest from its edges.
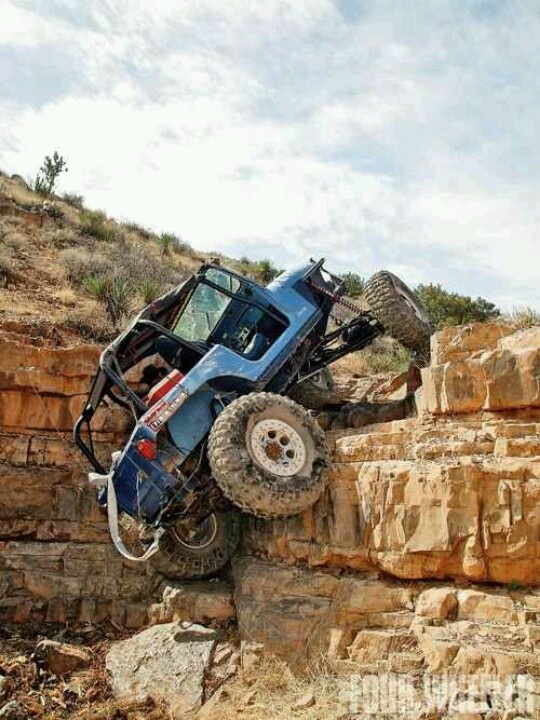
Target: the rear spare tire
(399, 311)
(267, 454)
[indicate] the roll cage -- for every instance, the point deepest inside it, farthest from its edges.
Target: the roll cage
(137, 342)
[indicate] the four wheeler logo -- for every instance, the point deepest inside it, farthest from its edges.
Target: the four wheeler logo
(160, 413)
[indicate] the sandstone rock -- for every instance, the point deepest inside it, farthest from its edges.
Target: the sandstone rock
(248, 698)
(305, 701)
(506, 376)
(437, 603)
(477, 605)
(62, 371)
(166, 663)
(223, 653)
(198, 602)
(61, 658)
(420, 503)
(460, 342)
(464, 630)
(438, 654)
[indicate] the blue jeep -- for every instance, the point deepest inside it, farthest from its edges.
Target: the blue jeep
(217, 428)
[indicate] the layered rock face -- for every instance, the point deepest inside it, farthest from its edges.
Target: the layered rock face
(56, 560)
(451, 495)
(365, 623)
(454, 493)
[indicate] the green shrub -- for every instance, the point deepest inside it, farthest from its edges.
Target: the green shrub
(263, 271)
(76, 201)
(81, 264)
(354, 284)
(450, 308)
(96, 286)
(138, 230)
(94, 223)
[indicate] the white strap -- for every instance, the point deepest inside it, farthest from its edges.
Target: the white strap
(112, 514)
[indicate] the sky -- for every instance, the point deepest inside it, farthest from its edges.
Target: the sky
(398, 135)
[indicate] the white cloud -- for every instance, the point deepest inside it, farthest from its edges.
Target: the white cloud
(404, 139)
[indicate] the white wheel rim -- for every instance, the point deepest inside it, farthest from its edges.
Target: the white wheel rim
(277, 448)
(200, 537)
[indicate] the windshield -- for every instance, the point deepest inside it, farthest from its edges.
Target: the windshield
(206, 306)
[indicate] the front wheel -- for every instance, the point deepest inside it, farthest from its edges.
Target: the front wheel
(189, 552)
(267, 454)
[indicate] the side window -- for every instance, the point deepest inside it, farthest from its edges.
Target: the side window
(224, 280)
(202, 313)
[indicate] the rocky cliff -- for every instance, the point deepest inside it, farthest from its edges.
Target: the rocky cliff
(452, 493)
(390, 566)
(56, 561)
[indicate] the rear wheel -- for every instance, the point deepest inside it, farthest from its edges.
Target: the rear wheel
(188, 551)
(399, 311)
(316, 391)
(267, 454)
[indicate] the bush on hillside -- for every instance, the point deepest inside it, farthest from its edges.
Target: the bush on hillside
(450, 308)
(76, 201)
(170, 243)
(81, 264)
(94, 223)
(137, 229)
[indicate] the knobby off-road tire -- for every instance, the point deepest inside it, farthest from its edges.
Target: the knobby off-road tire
(183, 557)
(267, 454)
(315, 392)
(399, 311)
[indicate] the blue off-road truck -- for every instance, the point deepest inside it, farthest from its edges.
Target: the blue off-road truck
(229, 369)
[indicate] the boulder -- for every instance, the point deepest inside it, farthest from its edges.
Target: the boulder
(61, 658)
(197, 602)
(166, 663)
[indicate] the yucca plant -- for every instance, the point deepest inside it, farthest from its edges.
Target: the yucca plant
(96, 287)
(167, 242)
(150, 289)
(114, 292)
(117, 299)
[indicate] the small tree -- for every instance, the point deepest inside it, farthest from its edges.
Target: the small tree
(48, 173)
(354, 283)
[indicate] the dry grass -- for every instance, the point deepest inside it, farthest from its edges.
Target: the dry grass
(43, 269)
(82, 695)
(269, 690)
(382, 356)
(522, 318)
